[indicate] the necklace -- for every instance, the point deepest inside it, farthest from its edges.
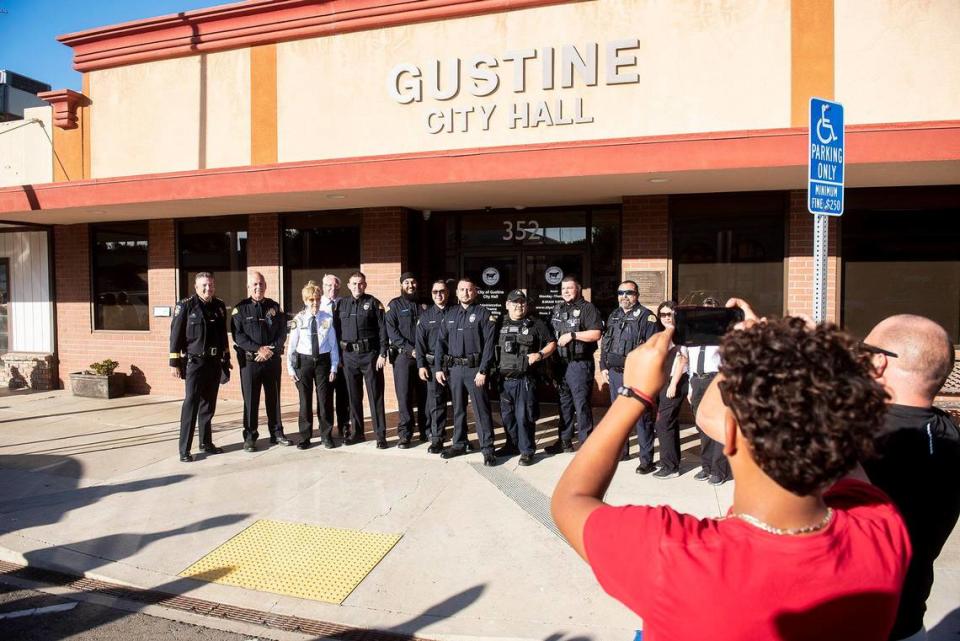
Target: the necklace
(766, 527)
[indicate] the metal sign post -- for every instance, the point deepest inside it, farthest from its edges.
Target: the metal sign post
(825, 167)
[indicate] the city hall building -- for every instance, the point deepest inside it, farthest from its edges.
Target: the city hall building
(512, 141)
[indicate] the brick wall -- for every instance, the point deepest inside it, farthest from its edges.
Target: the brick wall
(383, 253)
(645, 236)
(799, 267)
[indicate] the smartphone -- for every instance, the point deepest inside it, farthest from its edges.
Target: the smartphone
(703, 325)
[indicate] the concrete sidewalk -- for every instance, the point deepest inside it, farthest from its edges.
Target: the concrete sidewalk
(95, 488)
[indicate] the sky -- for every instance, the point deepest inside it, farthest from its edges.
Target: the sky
(29, 30)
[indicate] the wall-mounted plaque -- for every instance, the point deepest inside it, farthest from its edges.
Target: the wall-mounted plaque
(652, 284)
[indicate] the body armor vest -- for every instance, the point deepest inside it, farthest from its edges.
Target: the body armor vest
(515, 343)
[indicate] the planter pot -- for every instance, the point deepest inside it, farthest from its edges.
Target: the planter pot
(97, 386)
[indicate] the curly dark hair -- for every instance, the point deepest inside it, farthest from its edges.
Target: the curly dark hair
(805, 400)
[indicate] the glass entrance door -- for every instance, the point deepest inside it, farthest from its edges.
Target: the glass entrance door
(495, 276)
(542, 274)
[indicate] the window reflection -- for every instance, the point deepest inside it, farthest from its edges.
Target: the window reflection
(119, 265)
(318, 244)
(217, 245)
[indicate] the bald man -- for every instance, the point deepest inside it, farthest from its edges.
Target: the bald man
(918, 452)
(259, 329)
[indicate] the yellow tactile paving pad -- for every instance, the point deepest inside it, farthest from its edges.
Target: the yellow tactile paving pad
(296, 559)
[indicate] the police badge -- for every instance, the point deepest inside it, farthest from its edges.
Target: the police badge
(525, 331)
(366, 306)
(576, 313)
(473, 317)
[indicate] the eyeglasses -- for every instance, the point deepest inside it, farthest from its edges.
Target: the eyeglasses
(519, 301)
(873, 349)
(666, 314)
(438, 291)
(626, 292)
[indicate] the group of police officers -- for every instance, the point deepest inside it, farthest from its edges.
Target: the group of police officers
(441, 351)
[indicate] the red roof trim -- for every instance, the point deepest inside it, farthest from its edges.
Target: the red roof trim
(259, 22)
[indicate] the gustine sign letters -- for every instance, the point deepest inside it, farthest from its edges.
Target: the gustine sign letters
(549, 68)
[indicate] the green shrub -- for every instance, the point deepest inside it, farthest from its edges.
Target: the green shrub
(104, 367)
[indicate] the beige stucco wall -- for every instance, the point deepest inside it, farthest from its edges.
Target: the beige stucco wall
(898, 60)
(703, 66)
(26, 151)
(159, 116)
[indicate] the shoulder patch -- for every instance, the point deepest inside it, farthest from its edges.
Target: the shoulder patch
(177, 309)
(388, 308)
(651, 318)
(292, 324)
(235, 311)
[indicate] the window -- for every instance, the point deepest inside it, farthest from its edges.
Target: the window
(318, 244)
(4, 305)
(217, 245)
(900, 261)
(727, 246)
(119, 260)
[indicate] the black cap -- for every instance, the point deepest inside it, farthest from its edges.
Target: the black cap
(405, 275)
(516, 295)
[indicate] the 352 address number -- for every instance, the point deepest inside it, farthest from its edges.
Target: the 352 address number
(520, 229)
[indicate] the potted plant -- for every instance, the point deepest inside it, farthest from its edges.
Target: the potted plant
(99, 381)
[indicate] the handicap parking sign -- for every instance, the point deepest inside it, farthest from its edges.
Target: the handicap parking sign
(825, 158)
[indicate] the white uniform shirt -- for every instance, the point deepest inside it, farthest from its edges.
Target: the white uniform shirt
(711, 358)
(299, 340)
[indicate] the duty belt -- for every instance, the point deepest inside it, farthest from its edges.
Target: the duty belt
(213, 351)
(362, 345)
(473, 360)
(704, 375)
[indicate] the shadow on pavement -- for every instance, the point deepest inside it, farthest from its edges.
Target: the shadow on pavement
(948, 629)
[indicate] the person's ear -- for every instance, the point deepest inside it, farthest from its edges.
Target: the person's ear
(731, 434)
(880, 364)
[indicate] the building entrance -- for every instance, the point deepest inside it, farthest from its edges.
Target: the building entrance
(530, 249)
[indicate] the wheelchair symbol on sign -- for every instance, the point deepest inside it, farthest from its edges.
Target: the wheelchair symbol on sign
(824, 125)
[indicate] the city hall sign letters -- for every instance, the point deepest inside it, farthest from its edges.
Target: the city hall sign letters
(567, 67)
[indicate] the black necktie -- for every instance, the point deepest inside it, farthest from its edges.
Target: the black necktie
(314, 339)
(701, 360)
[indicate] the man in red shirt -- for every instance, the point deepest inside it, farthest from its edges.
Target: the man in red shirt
(795, 408)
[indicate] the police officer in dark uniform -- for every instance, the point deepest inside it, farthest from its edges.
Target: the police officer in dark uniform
(363, 345)
(577, 326)
(401, 318)
(198, 353)
(524, 341)
(465, 347)
(630, 325)
(328, 303)
(259, 330)
(428, 326)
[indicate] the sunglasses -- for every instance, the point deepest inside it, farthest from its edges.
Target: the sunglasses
(666, 314)
(873, 349)
(626, 292)
(438, 291)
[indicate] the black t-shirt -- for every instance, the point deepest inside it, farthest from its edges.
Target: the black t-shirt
(917, 464)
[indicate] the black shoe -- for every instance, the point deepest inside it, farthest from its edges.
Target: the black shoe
(423, 437)
(526, 459)
(664, 473)
(702, 475)
(381, 444)
(558, 447)
(281, 439)
(211, 449)
(186, 459)
(646, 468)
(435, 448)
(717, 480)
(507, 450)
(489, 459)
(453, 452)
(249, 446)
(403, 444)
(303, 445)
(329, 445)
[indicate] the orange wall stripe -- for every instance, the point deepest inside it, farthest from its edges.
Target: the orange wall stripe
(263, 105)
(811, 56)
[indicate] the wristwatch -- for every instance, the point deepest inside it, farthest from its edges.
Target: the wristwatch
(637, 395)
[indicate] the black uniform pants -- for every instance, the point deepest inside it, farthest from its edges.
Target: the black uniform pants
(711, 451)
(200, 401)
(410, 391)
(575, 380)
(253, 377)
(360, 368)
(437, 396)
(340, 406)
(314, 374)
(667, 426)
(462, 385)
(643, 427)
(519, 411)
